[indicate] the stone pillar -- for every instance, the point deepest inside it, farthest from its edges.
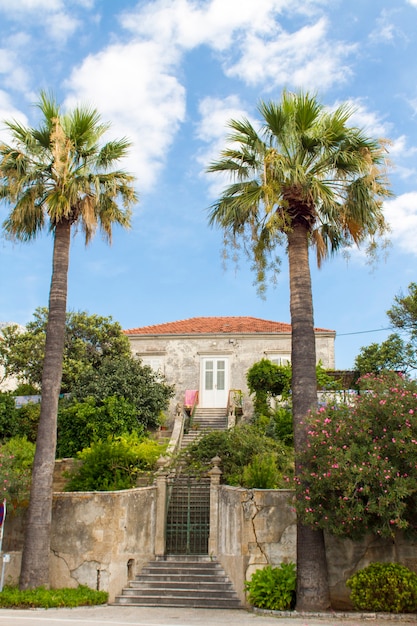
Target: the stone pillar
(215, 474)
(161, 505)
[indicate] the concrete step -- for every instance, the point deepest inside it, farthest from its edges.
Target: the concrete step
(183, 601)
(184, 581)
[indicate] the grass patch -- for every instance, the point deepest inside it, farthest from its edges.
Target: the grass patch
(12, 597)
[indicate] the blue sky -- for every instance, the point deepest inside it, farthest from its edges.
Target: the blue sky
(169, 74)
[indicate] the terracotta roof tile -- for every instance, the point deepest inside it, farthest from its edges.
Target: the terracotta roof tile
(214, 326)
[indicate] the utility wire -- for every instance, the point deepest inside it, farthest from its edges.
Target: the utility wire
(363, 332)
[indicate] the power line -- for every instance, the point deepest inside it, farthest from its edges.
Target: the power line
(363, 332)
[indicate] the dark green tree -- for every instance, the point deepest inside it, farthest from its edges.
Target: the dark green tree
(127, 378)
(393, 354)
(89, 340)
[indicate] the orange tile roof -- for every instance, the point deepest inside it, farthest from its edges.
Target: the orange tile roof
(214, 326)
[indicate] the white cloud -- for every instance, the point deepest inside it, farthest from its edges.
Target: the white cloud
(212, 130)
(253, 44)
(142, 100)
(8, 112)
(303, 58)
(14, 75)
(386, 31)
(401, 214)
(61, 26)
(55, 16)
(412, 2)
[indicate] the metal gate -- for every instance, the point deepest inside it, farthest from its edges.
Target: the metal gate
(188, 515)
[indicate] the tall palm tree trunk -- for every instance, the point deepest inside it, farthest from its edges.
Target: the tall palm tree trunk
(312, 583)
(35, 558)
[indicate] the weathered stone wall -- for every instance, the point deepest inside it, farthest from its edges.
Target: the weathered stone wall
(99, 539)
(258, 527)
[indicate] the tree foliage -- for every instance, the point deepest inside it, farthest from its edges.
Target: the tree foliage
(395, 353)
(114, 463)
(82, 423)
(359, 471)
(403, 313)
(240, 450)
(125, 377)
(16, 459)
(267, 380)
(89, 340)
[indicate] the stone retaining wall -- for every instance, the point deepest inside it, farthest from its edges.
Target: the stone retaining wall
(102, 539)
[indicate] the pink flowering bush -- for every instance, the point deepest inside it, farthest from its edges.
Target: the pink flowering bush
(358, 471)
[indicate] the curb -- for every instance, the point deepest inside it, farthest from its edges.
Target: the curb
(349, 615)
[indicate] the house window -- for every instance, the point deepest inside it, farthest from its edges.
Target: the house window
(155, 362)
(280, 359)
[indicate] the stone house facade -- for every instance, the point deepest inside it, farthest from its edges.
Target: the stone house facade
(212, 355)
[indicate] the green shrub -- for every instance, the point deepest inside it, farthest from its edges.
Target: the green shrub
(273, 588)
(280, 425)
(237, 447)
(114, 463)
(262, 472)
(27, 420)
(82, 423)
(7, 416)
(12, 597)
(384, 587)
(265, 380)
(16, 460)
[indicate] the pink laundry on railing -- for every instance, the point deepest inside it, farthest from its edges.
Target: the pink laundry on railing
(190, 398)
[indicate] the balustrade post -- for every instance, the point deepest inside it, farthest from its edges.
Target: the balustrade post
(215, 474)
(161, 505)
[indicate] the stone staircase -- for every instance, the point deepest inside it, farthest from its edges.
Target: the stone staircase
(204, 420)
(181, 581)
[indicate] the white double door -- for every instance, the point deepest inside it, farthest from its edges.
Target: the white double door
(214, 382)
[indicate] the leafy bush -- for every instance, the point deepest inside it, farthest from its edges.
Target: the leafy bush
(114, 463)
(16, 460)
(384, 587)
(7, 416)
(237, 448)
(27, 420)
(359, 469)
(267, 379)
(82, 423)
(262, 472)
(273, 588)
(12, 597)
(280, 425)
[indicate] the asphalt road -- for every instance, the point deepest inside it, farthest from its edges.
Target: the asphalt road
(155, 616)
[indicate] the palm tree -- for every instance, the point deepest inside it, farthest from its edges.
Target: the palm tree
(59, 176)
(304, 179)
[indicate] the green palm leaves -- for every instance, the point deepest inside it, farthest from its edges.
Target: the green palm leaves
(61, 171)
(303, 164)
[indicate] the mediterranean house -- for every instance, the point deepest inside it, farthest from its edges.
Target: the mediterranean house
(211, 355)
